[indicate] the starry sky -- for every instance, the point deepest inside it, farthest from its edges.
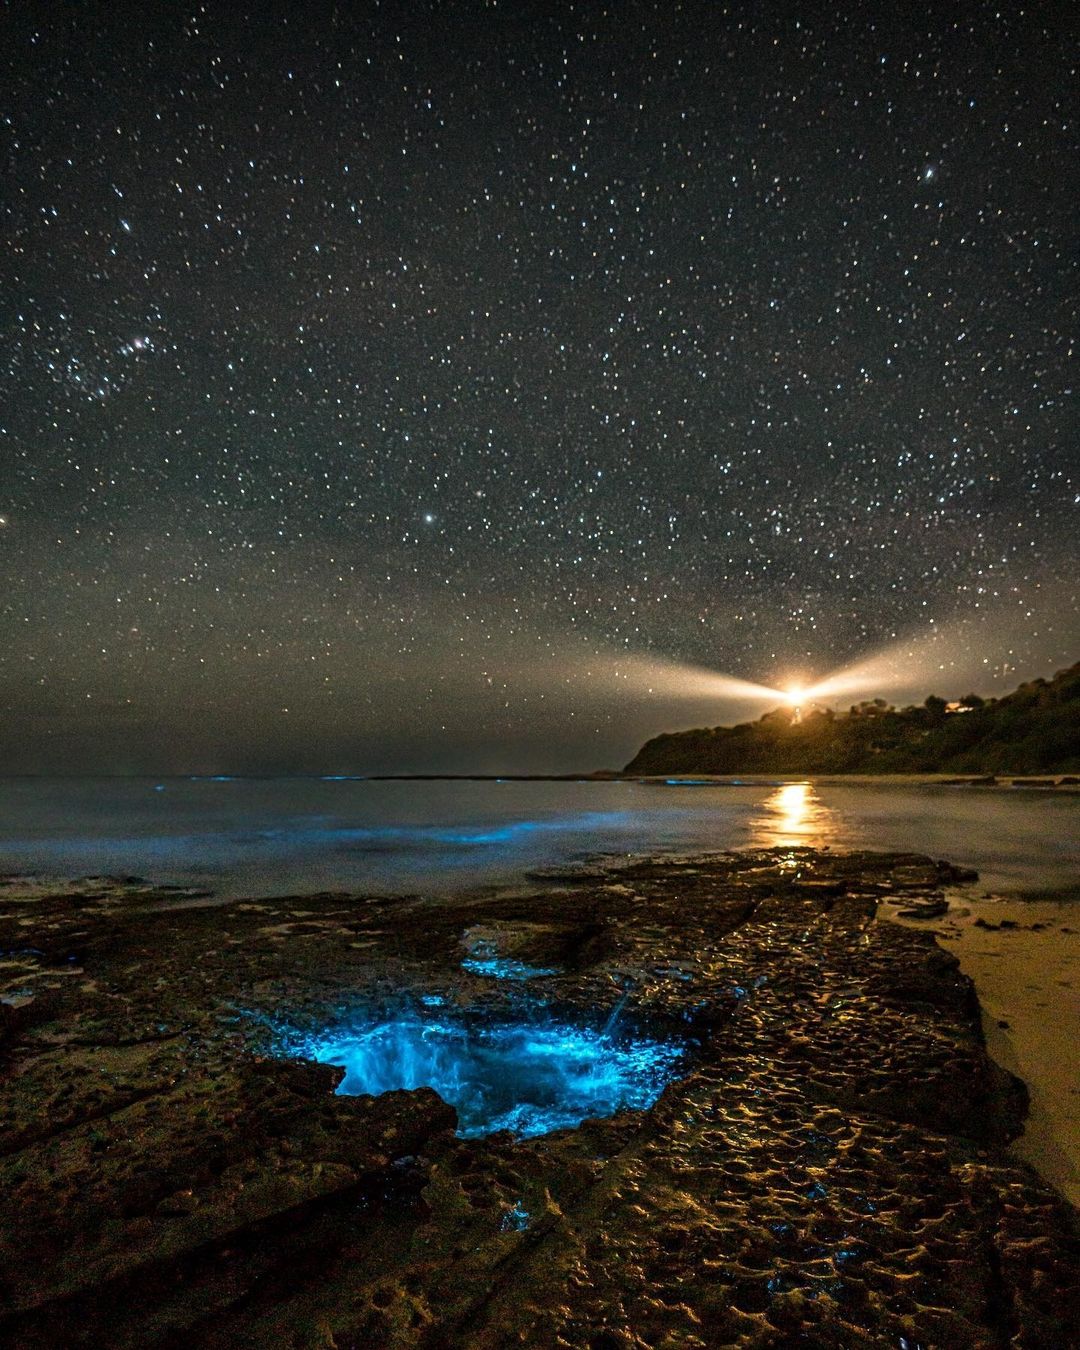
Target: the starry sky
(425, 386)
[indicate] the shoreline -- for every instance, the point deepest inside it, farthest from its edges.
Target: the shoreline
(1051, 782)
(177, 1173)
(1023, 957)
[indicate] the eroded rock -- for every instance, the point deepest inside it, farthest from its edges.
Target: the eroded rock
(828, 1170)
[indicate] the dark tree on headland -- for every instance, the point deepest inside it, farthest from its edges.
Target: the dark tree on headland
(1036, 729)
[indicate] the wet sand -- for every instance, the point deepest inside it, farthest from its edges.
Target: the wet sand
(1027, 976)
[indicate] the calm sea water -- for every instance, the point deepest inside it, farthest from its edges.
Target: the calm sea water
(295, 836)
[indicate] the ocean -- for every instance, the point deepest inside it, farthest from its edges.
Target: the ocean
(246, 836)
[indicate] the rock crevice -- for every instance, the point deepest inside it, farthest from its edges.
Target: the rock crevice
(830, 1165)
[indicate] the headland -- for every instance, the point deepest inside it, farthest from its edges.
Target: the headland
(1034, 731)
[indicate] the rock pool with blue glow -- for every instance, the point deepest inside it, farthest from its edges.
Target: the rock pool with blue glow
(684, 1101)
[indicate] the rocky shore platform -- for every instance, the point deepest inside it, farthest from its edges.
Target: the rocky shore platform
(825, 1168)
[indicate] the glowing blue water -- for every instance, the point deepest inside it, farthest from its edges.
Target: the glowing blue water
(529, 1079)
(244, 837)
(504, 968)
(484, 959)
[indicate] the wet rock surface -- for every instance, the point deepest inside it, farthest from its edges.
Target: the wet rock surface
(828, 1171)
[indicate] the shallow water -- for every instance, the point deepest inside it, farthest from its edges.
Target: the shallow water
(294, 836)
(526, 1077)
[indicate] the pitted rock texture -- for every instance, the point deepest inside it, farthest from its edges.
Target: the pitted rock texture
(829, 1171)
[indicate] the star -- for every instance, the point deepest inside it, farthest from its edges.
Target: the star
(693, 375)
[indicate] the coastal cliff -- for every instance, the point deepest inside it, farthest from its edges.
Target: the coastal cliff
(1035, 729)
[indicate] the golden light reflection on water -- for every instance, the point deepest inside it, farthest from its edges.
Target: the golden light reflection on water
(793, 814)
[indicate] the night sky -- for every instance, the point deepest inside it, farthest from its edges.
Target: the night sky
(417, 387)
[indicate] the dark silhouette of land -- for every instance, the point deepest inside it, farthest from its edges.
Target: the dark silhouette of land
(1035, 729)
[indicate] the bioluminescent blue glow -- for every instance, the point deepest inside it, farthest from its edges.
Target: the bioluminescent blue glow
(504, 968)
(516, 1219)
(484, 959)
(525, 1078)
(298, 836)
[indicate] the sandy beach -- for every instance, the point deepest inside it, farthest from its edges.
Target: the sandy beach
(1024, 957)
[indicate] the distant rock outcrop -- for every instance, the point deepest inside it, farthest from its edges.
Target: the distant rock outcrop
(1036, 729)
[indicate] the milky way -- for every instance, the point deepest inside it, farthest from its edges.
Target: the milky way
(378, 378)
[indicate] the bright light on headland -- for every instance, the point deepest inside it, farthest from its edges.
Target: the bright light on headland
(903, 668)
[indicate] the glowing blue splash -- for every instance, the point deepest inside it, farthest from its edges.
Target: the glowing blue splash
(616, 1013)
(528, 1079)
